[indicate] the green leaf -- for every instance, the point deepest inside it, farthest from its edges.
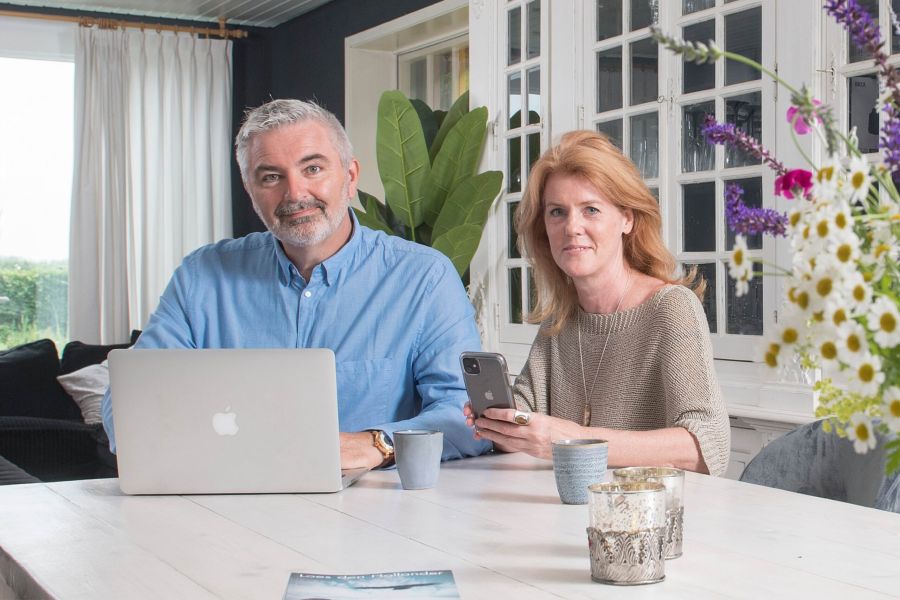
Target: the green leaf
(428, 121)
(456, 112)
(372, 216)
(402, 157)
(459, 245)
(469, 202)
(439, 119)
(457, 160)
(892, 456)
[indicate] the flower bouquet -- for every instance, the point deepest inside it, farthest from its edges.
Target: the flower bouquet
(841, 311)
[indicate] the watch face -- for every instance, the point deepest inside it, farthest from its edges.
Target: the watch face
(386, 441)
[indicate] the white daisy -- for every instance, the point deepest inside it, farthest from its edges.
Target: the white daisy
(891, 408)
(861, 434)
(884, 321)
(867, 375)
(740, 267)
(858, 178)
(853, 345)
(857, 292)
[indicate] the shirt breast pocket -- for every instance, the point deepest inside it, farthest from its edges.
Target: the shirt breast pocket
(365, 392)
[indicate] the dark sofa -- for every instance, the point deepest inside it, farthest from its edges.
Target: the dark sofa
(42, 433)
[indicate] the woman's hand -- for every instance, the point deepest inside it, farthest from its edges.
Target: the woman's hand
(499, 426)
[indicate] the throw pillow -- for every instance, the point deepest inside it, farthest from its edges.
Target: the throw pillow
(87, 386)
(28, 386)
(77, 355)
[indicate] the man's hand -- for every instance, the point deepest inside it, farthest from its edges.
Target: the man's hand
(358, 450)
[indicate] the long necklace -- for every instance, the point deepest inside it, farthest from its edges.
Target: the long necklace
(587, 396)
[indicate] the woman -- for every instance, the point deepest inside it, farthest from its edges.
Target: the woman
(623, 353)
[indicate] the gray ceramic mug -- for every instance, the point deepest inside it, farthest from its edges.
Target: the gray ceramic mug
(418, 455)
(576, 465)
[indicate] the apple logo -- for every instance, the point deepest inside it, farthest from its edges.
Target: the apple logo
(489, 395)
(225, 423)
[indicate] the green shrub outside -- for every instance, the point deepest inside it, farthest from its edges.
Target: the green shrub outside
(36, 302)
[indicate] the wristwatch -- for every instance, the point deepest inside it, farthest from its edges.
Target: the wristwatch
(384, 445)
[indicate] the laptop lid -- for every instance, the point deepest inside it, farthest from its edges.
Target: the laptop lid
(225, 421)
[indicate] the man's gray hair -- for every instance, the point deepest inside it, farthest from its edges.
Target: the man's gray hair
(278, 113)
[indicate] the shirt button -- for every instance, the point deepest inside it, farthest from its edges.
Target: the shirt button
(307, 293)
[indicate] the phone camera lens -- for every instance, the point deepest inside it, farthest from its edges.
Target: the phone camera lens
(471, 366)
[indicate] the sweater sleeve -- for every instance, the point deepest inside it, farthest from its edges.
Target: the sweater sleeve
(693, 398)
(531, 390)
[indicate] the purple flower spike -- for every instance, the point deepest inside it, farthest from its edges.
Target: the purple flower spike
(751, 221)
(797, 182)
(857, 21)
(890, 139)
(727, 134)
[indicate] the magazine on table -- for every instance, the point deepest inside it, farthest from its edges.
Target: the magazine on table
(407, 585)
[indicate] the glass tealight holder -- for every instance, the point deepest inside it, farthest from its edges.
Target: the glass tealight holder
(673, 480)
(626, 536)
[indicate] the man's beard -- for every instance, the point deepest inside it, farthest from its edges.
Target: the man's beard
(308, 230)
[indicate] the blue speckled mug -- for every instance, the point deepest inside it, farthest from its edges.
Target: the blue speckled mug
(578, 464)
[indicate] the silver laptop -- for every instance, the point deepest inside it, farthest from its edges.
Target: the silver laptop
(236, 421)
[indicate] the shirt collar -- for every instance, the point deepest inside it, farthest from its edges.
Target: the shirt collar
(331, 266)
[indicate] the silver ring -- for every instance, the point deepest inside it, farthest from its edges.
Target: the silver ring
(522, 417)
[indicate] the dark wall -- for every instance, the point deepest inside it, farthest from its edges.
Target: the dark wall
(307, 62)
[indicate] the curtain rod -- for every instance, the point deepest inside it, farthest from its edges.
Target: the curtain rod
(221, 32)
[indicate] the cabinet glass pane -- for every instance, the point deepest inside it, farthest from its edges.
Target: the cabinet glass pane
(708, 272)
(743, 35)
(696, 154)
(533, 47)
(609, 79)
(418, 79)
(752, 198)
(514, 99)
(644, 147)
(644, 71)
(511, 230)
(699, 77)
(612, 130)
(514, 35)
(744, 314)
(643, 13)
(692, 6)
(534, 95)
(515, 165)
(443, 72)
(855, 54)
(655, 192)
(515, 295)
(895, 39)
(534, 149)
(699, 201)
(862, 92)
(609, 19)
(745, 111)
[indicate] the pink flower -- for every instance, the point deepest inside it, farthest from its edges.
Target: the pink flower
(802, 125)
(792, 182)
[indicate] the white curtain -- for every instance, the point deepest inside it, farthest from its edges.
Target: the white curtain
(152, 170)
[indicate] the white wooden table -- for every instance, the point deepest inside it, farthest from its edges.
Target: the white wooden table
(496, 521)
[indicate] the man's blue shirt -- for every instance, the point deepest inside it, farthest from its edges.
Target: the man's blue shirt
(395, 314)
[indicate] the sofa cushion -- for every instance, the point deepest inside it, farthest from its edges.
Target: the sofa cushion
(28, 386)
(87, 386)
(77, 355)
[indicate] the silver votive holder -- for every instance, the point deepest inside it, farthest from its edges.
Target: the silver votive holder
(626, 536)
(673, 480)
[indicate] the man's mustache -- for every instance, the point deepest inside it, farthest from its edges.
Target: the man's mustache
(289, 208)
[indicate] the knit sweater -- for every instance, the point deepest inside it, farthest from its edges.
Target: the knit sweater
(657, 372)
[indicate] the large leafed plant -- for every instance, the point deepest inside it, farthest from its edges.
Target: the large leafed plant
(428, 164)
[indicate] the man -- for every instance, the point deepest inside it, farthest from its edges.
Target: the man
(395, 313)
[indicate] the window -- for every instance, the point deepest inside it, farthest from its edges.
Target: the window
(36, 144)
(522, 123)
(436, 75)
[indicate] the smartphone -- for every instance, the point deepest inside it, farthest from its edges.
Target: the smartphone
(487, 381)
